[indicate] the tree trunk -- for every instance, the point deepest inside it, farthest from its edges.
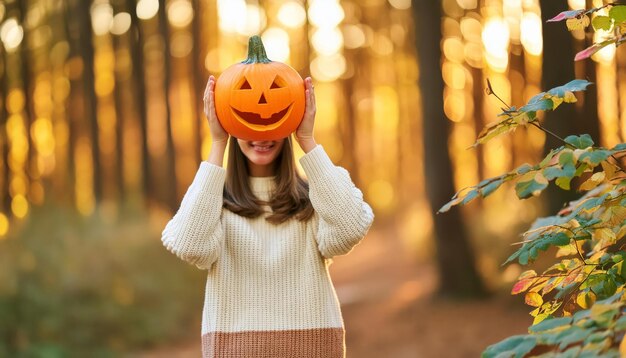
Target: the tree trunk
(170, 198)
(199, 77)
(30, 165)
(136, 53)
(458, 274)
(5, 199)
(558, 69)
(89, 93)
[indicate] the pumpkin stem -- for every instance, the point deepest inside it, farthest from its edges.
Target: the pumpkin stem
(256, 51)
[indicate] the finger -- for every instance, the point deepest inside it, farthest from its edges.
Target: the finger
(312, 98)
(307, 96)
(208, 87)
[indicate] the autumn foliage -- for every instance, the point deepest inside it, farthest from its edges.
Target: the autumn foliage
(578, 303)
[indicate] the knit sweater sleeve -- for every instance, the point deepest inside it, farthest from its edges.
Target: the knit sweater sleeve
(195, 232)
(344, 218)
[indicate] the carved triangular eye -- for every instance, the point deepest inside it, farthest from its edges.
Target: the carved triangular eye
(278, 83)
(245, 85)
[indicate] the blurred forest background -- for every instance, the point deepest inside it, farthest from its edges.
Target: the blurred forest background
(101, 132)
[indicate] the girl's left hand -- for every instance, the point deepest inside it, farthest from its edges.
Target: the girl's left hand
(304, 133)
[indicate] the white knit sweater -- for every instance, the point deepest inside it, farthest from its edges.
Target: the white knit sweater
(268, 290)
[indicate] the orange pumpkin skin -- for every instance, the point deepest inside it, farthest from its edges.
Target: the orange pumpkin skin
(259, 99)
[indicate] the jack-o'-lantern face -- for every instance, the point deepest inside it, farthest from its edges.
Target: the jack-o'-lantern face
(259, 99)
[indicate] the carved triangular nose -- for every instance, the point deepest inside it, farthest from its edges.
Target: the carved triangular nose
(262, 99)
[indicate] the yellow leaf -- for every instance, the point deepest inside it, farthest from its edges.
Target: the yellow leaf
(556, 101)
(614, 215)
(621, 232)
(586, 299)
(609, 169)
(540, 317)
(569, 97)
(622, 348)
(593, 181)
(533, 299)
(577, 23)
(604, 236)
(527, 274)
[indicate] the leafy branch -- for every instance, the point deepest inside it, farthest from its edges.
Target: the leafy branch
(614, 23)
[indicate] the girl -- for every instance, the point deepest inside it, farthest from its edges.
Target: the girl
(266, 237)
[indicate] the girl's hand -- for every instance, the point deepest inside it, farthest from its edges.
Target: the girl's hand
(304, 133)
(218, 134)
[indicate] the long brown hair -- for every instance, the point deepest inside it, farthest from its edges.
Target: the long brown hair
(290, 199)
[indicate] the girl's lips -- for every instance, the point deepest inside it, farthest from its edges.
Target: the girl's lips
(263, 147)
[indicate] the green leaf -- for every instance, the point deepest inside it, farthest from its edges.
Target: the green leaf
(541, 105)
(601, 23)
(549, 324)
(563, 183)
(545, 161)
(595, 157)
(567, 169)
(572, 335)
(515, 346)
(619, 147)
(470, 196)
(580, 142)
(618, 13)
(571, 86)
(620, 325)
(532, 187)
(524, 168)
(491, 187)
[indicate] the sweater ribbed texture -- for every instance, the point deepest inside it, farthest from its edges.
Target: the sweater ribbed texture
(268, 292)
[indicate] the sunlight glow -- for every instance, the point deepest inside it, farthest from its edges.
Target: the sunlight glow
(276, 42)
(354, 36)
(467, 4)
(253, 22)
(496, 42)
(229, 14)
(121, 23)
(292, 14)
(19, 206)
(401, 4)
(325, 13)
(180, 13)
(4, 225)
(147, 9)
(101, 18)
(576, 4)
(531, 36)
(11, 34)
(328, 68)
(606, 55)
(327, 41)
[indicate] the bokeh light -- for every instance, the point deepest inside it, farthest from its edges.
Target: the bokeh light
(101, 18)
(328, 68)
(147, 9)
(401, 4)
(327, 41)
(276, 42)
(325, 13)
(121, 23)
(11, 34)
(531, 35)
(292, 14)
(180, 13)
(495, 37)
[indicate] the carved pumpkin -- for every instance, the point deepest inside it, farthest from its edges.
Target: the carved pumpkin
(259, 99)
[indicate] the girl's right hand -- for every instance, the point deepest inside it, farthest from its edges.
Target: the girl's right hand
(218, 134)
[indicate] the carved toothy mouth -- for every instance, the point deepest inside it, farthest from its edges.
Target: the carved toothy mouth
(255, 118)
